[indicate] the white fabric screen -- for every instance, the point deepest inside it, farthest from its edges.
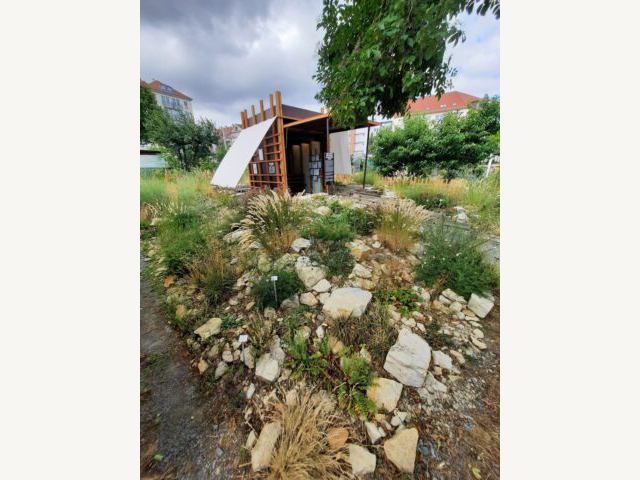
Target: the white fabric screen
(235, 162)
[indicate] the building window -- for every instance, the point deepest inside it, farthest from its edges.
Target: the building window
(186, 104)
(165, 101)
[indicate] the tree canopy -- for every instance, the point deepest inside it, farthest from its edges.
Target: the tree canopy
(449, 145)
(187, 143)
(377, 55)
(148, 110)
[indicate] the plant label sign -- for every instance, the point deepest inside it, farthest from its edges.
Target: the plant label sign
(243, 338)
(274, 278)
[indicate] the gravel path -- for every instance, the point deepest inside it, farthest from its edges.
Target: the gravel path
(176, 417)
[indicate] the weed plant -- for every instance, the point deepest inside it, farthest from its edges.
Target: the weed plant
(287, 285)
(452, 257)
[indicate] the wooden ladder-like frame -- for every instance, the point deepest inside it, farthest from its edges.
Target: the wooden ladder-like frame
(273, 148)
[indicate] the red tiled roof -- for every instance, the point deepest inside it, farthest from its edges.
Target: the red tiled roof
(155, 86)
(450, 101)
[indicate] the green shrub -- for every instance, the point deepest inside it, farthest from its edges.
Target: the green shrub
(333, 227)
(272, 220)
(363, 220)
(180, 237)
(372, 178)
(402, 298)
(452, 257)
(352, 393)
(306, 360)
(153, 190)
(400, 220)
(260, 332)
(288, 284)
(212, 275)
(335, 255)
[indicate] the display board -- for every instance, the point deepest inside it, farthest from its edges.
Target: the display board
(328, 167)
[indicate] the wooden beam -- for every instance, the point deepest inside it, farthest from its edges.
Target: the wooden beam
(278, 103)
(273, 108)
(263, 116)
(243, 119)
(253, 114)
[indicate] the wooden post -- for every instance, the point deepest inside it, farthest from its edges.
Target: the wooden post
(284, 183)
(263, 117)
(253, 114)
(273, 108)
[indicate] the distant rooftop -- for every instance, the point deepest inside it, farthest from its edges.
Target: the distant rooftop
(165, 89)
(449, 101)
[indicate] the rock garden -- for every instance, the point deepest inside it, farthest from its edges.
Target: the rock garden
(348, 339)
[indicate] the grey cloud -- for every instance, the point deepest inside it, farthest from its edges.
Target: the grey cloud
(227, 55)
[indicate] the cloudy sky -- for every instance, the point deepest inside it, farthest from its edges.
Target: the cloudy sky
(228, 54)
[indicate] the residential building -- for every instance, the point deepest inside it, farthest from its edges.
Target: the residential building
(171, 100)
(229, 134)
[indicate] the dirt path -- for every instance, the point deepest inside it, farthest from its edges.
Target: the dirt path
(177, 419)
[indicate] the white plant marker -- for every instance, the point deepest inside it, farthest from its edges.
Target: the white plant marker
(243, 339)
(274, 279)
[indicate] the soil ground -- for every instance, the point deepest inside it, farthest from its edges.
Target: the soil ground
(178, 420)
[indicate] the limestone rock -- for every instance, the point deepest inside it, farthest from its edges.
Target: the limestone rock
(434, 385)
(212, 327)
(310, 276)
(308, 299)
(335, 345)
(479, 305)
(322, 286)
(267, 368)
(202, 366)
(250, 391)
(408, 359)
(362, 461)
(251, 440)
(320, 332)
(299, 244)
(361, 271)
(441, 359)
(323, 297)
(290, 304)
(372, 430)
(401, 449)
(453, 296)
(269, 313)
(227, 356)
(385, 393)
(261, 453)
(221, 369)
(248, 356)
(348, 302)
(458, 356)
(337, 437)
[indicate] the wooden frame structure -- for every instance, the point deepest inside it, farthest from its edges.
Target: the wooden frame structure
(306, 128)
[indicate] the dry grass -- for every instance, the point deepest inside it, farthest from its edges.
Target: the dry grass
(272, 220)
(401, 219)
(302, 451)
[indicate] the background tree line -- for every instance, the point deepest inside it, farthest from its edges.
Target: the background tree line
(453, 144)
(184, 143)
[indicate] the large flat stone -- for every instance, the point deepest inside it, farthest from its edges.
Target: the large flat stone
(347, 302)
(362, 461)
(401, 449)
(479, 305)
(267, 368)
(261, 453)
(385, 393)
(408, 359)
(310, 276)
(212, 327)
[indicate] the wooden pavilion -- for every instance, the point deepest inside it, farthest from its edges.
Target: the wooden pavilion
(293, 154)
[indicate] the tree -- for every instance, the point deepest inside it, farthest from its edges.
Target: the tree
(187, 142)
(451, 145)
(149, 109)
(377, 55)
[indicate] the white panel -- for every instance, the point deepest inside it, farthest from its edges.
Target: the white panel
(235, 162)
(341, 157)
